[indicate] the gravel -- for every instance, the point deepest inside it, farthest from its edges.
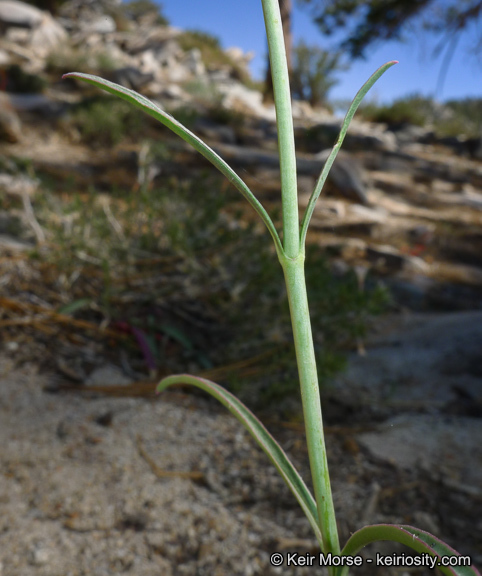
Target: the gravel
(82, 491)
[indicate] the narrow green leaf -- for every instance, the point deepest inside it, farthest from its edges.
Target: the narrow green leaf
(180, 337)
(72, 307)
(331, 158)
(177, 335)
(264, 439)
(153, 110)
(418, 540)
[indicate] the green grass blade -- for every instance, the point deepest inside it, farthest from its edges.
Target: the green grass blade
(344, 128)
(419, 540)
(170, 122)
(71, 307)
(264, 439)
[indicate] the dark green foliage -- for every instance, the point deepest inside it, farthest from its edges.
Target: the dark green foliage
(338, 306)
(51, 5)
(196, 38)
(365, 23)
(21, 82)
(63, 61)
(416, 110)
(16, 165)
(226, 116)
(186, 115)
(136, 9)
(205, 93)
(316, 138)
(312, 73)
(104, 121)
(453, 118)
(466, 118)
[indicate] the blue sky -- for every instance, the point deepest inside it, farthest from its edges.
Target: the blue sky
(240, 23)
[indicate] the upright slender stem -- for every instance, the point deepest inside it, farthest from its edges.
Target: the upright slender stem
(310, 395)
(284, 121)
(292, 261)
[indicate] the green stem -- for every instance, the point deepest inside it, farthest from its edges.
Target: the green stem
(284, 121)
(292, 261)
(305, 355)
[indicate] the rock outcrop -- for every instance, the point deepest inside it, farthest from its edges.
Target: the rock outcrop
(404, 204)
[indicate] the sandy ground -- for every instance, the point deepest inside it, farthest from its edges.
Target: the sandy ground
(104, 486)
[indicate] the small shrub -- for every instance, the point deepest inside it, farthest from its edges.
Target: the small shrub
(452, 118)
(138, 9)
(52, 6)
(22, 82)
(226, 116)
(88, 61)
(187, 115)
(409, 110)
(312, 74)
(105, 121)
(204, 92)
(465, 118)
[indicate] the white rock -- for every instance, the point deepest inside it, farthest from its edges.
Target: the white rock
(165, 62)
(347, 175)
(20, 36)
(40, 556)
(442, 447)
(194, 63)
(175, 92)
(30, 26)
(15, 13)
(374, 135)
(148, 63)
(108, 375)
(47, 35)
(238, 55)
(4, 58)
(101, 25)
(240, 58)
(10, 125)
(243, 99)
